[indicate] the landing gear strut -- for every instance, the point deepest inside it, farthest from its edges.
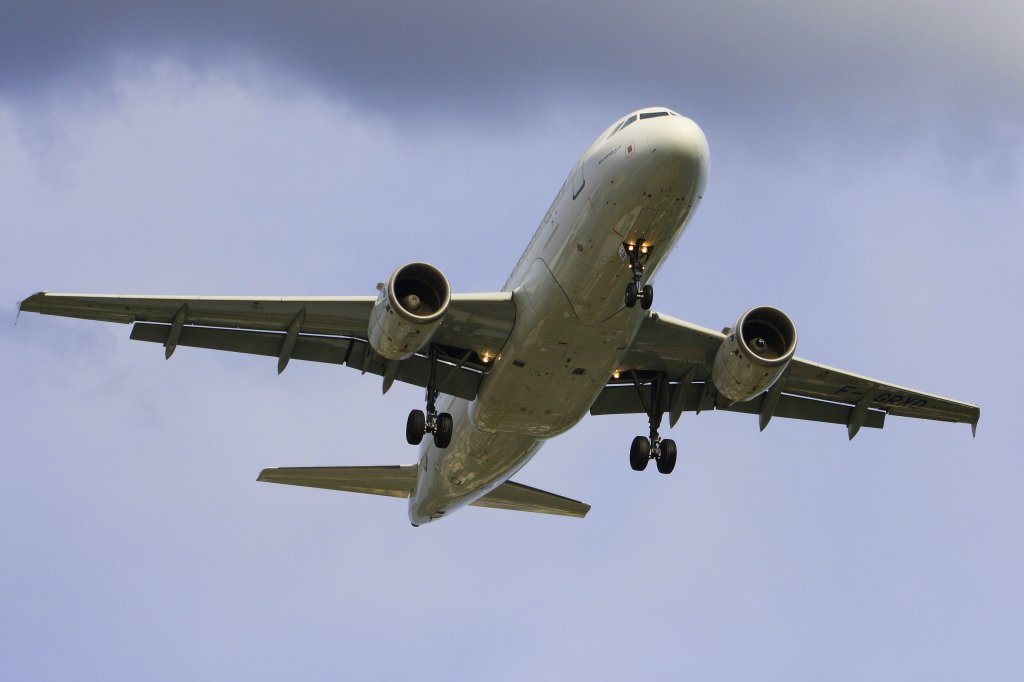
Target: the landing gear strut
(644, 449)
(419, 424)
(638, 255)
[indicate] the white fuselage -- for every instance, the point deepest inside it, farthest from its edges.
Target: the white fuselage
(640, 186)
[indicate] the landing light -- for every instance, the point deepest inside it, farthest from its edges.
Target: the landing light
(486, 357)
(643, 249)
(616, 374)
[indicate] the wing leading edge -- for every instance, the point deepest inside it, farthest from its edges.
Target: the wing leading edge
(684, 353)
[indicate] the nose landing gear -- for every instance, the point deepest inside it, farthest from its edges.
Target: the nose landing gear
(643, 449)
(638, 254)
(419, 424)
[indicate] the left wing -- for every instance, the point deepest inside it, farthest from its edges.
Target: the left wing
(684, 353)
(329, 329)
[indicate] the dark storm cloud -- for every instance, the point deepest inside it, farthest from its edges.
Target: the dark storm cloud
(478, 58)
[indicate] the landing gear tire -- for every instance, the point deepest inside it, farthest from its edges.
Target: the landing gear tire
(631, 295)
(443, 432)
(639, 453)
(420, 424)
(647, 297)
(415, 427)
(667, 460)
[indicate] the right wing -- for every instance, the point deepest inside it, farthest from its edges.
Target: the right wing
(329, 329)
(684, 353)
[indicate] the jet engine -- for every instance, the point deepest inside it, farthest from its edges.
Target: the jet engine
(408, 310)
(754, 354)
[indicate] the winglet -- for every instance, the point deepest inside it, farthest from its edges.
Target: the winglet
(21, 303)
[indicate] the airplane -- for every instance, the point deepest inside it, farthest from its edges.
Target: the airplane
(572, 331)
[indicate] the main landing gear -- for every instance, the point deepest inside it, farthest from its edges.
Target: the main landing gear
(418, 424)
(644, 449)
(638, 254)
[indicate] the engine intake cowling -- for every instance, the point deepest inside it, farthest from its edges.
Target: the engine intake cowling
(408, 310)
(754, 354)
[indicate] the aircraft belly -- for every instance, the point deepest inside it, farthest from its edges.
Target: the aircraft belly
(553, 366)
(473, 464)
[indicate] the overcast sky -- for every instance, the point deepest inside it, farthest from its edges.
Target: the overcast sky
(866, 177)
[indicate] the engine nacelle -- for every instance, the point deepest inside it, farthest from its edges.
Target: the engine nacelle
(408, 310)
(754, 354)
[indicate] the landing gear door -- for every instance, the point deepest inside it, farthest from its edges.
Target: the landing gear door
(578, 181)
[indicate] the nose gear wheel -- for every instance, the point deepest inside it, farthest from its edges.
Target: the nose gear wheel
(638, 255)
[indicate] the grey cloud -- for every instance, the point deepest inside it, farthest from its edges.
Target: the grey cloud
(422, 59)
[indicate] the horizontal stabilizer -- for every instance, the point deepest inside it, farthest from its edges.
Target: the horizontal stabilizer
(393, 481)
(519, 497)
(398, 481)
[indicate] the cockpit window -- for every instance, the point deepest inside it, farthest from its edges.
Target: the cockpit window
(634, 118)
(623, 125)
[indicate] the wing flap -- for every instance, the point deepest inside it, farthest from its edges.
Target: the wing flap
(518, 497)
(624, 399)
(459, 381)
(392, 481)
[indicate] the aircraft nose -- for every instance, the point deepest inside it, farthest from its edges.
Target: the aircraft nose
(681, 141)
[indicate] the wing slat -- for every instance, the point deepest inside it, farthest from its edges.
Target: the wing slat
(479, 322)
